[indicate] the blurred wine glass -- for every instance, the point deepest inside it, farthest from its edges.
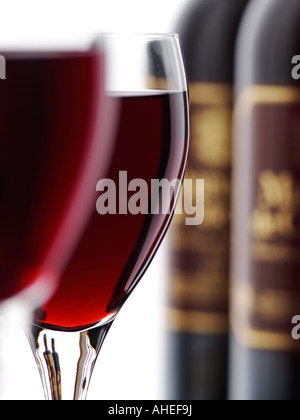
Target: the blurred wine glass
(53, 120)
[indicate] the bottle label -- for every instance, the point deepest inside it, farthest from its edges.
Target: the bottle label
(200, 254)
(266, 256)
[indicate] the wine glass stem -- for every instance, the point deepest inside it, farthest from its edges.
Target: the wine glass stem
(66, 359)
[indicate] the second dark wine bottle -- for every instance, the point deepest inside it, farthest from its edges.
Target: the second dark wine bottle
(198, 301)
(265, 357)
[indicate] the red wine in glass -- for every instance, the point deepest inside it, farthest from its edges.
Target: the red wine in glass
(50, 155)
(115, 250)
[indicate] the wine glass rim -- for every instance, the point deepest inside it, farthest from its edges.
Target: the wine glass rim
(146, 35)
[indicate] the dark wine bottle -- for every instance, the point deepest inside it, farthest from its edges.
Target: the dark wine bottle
(198, 304)
(265, 359)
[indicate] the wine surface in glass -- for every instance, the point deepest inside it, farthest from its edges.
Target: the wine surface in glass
(49, 106)
(151, 143)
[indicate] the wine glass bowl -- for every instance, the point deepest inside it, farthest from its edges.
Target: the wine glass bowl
(133, 204)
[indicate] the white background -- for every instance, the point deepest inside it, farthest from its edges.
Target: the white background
(133, 360)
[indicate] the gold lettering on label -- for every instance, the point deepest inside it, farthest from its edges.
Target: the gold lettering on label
(217, 199)
(276, 305)
(198, 322)
(210, 94)
(276, 207)
(207, 287)
(261, 316)
(276, 190)
(266, 225)
(211, 131)
(274, 252)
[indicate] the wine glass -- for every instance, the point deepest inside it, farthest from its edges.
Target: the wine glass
(133, 207)
(52, 121)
